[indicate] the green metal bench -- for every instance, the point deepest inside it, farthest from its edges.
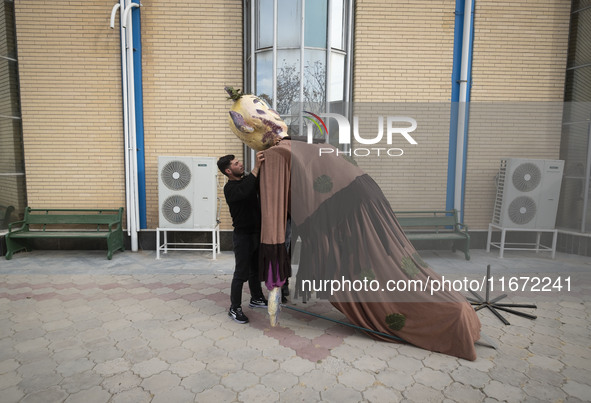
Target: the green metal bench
(62, 223)
(435, 226)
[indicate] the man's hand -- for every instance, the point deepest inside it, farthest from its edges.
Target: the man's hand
(259, 158)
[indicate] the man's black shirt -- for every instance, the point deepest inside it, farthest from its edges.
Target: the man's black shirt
(245, 209)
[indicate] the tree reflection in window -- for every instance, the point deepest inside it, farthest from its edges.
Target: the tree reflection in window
(299, 61)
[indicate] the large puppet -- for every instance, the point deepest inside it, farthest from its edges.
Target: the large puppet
(352, 244)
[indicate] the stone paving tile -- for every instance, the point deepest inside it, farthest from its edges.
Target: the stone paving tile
(79, 328)
(458, 392)
(135, 395)
(263, 394)
(395, 379)
(96, 394)
(502, 392)
(577, 390)
(422, 393)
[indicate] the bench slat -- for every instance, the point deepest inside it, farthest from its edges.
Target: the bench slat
(417, 236)
(61, 234)
(441, 221)
(39, 219)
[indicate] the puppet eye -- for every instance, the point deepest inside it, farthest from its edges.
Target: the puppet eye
(239, 122)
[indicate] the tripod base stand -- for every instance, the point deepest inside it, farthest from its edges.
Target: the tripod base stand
(493, 304)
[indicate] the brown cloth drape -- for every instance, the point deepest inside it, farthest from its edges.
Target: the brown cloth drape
(350, 234)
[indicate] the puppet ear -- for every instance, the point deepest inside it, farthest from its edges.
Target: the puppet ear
(239, 122)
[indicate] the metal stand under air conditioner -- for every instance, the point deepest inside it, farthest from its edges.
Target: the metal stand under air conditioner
(213, 246)
(502, 245)
(493, 304)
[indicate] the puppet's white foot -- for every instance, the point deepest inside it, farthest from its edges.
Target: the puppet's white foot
(273, 306)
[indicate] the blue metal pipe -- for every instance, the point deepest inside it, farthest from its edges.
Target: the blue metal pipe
(455, 96)
(139, 113)
(468, 87)
(455, 99)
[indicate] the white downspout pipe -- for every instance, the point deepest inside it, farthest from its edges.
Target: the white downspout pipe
(126, 13)
(113, 12)
(459, 185)
(132, 149)
(128, 204)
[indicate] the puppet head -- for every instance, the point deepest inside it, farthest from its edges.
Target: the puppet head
(254, 122)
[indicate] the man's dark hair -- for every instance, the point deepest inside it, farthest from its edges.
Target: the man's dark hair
(225, 162)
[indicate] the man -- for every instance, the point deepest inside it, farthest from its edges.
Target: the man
(242, 198)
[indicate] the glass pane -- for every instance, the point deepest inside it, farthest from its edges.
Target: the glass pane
(579, 4)
(574, 152)
(337, 32)
(315, 33)
(11, 146)
(289, 22)
(264, 28)
(247, 32)
(579, 39)
(314, 78)
(13, 194)
(288, 80)
(12, 167)
(337, 77)
(264, 76)
(293, 125)
(578, 85)
(9, 28)
(9, 101)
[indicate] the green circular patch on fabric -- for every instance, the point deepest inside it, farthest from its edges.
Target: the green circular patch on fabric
(409, 267)
(395, 321)
(419, 260)
(323, 184)
(367, 274)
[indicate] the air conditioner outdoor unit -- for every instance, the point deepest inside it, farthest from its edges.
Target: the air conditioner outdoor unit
(187, 192)
(527, 193)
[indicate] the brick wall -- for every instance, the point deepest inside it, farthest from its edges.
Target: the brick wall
(71, 94)
(403, 55)
(189, 54)
(71, 104)
(518, 71)
(403, 61)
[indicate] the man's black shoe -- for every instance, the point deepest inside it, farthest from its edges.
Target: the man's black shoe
(237, 315)
(258, 303)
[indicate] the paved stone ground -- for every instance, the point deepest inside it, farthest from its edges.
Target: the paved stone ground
(75, 327)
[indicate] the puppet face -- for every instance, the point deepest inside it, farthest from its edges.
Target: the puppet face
(255, 123)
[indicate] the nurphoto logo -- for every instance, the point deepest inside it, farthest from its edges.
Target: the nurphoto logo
(395, 125)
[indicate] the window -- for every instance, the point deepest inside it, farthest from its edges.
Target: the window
(298, 57)
(574, 211)
(12, 176)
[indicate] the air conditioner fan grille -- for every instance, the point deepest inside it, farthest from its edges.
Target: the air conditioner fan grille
(176, 209)
(526, 177)
(522, 210)
(176, 175)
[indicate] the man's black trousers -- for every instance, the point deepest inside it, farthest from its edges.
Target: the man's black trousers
(246, 254)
